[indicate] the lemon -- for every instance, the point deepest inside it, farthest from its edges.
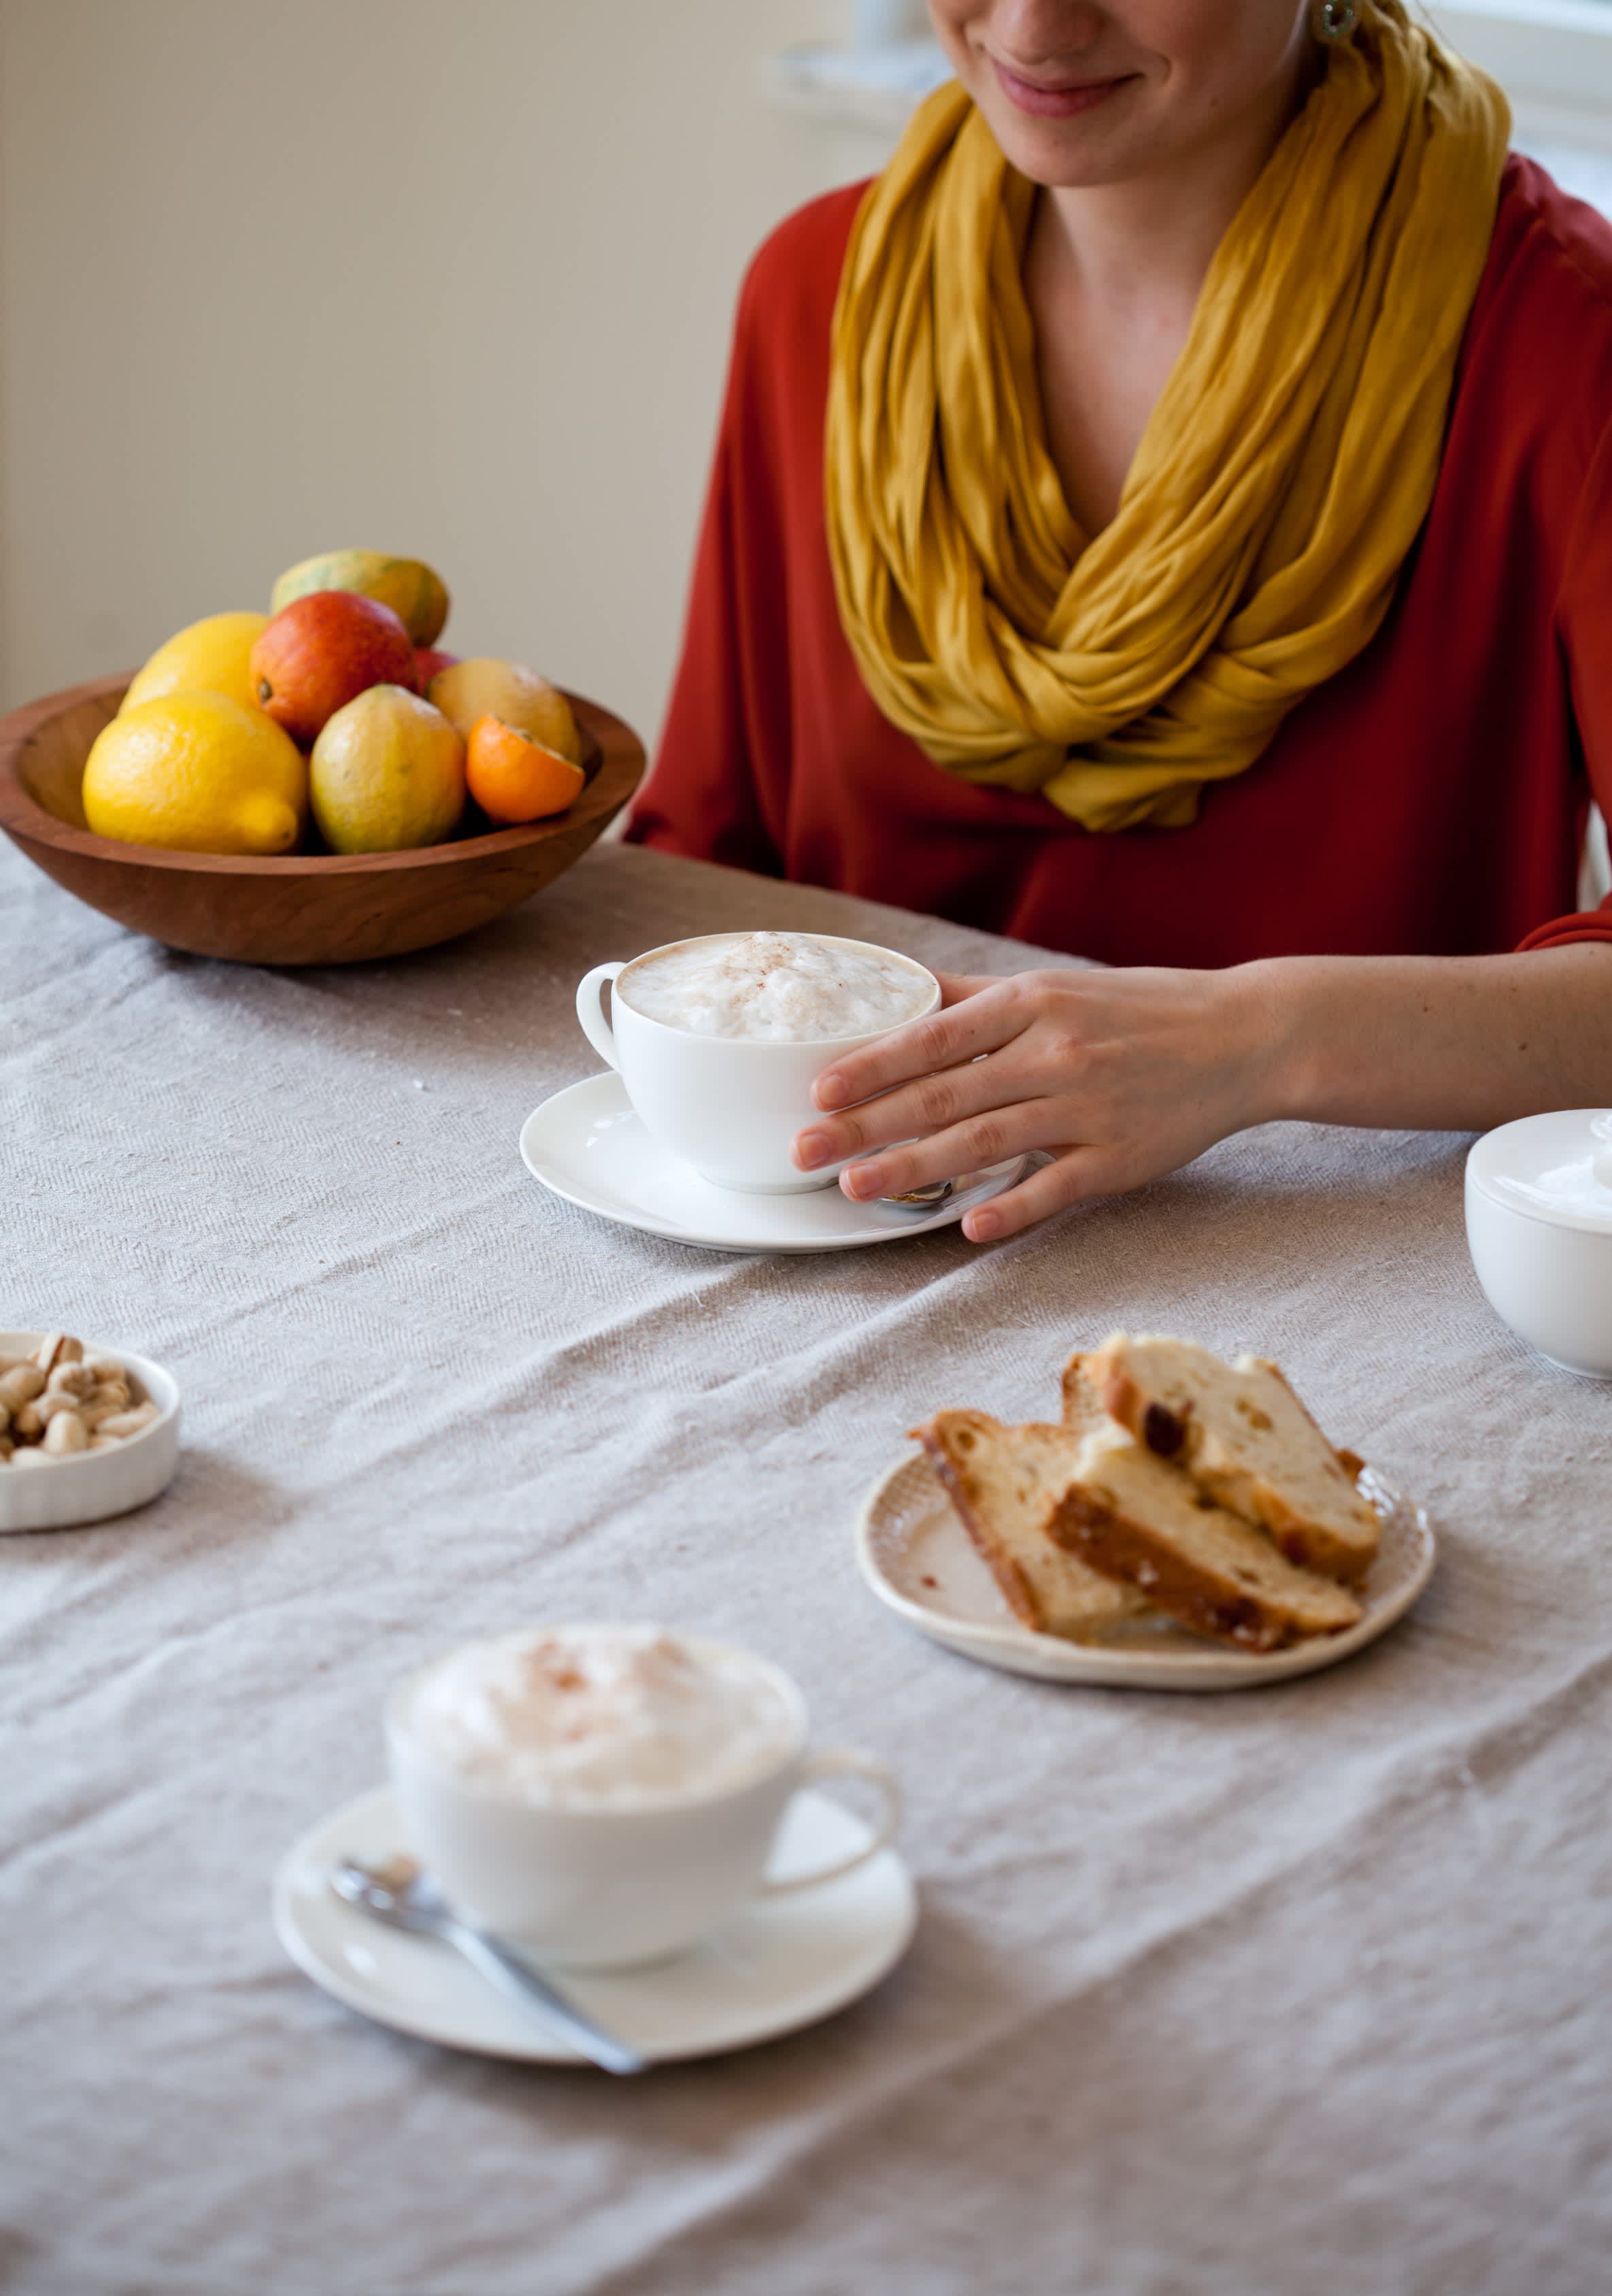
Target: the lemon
(199, 773)
(210, 657)
(386, 773)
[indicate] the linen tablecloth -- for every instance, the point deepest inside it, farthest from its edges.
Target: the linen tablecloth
(1302, 1989)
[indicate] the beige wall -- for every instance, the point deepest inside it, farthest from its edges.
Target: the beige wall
(451, 277)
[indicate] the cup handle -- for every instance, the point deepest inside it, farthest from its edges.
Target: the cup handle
(833, 1762)
(590, 1010)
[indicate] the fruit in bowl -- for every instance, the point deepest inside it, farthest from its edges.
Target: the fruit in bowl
(197, 773)
(349, 651)
(302, 907)
(387, 775)
(213, 656)
(513, 778)
(485, 687)
(177, 806)
(321, 653)
(416, 592)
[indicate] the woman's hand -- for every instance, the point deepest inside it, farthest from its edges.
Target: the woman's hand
(1122, 1075)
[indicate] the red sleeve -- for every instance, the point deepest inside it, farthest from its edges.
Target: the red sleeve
(703, 797)
(1584, 620)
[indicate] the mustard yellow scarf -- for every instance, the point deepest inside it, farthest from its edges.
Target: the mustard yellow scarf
(1280, 480)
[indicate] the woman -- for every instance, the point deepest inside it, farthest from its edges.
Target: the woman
(1168, 517)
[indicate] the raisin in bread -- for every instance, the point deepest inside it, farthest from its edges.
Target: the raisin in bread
(1138, 1519)
(1243, 1435)
(1005, 1483)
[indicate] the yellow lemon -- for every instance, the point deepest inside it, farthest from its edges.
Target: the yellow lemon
(199, 773)
(484, 687)
(386, 773)
(210, 657)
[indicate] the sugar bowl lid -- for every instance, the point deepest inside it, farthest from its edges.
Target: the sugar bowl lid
(1555, 1167)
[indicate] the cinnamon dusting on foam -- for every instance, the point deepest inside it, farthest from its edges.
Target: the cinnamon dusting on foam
(602, 1716)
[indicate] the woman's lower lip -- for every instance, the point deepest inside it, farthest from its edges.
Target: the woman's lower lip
(1053, 102)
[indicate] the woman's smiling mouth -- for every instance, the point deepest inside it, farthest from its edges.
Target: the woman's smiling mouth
(1058, 102)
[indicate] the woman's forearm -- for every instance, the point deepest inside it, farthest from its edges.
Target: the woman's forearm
(1457, 1043)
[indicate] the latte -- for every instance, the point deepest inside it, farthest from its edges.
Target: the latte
(603, 1718)
(776, 987)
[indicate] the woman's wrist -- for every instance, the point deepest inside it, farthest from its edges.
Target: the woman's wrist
(1346, 1038)
(1269, 1003)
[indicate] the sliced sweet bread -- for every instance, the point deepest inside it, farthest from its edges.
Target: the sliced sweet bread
(1243, 1436)
(1082, 1411)
(1140, 1520)
(1005, 1483)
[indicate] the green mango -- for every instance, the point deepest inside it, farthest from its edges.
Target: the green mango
(415, 594)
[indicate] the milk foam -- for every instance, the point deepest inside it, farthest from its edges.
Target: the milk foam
(776, 987)
(610, 1717)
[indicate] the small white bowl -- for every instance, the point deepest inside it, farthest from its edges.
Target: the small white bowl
(88, 1486)
(1539, 1226)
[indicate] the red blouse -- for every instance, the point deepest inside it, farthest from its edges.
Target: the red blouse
(1430, 797)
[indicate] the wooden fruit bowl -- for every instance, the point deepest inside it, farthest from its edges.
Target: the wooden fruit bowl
(304, 908)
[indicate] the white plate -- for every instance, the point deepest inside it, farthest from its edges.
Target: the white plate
(777, 1967)
(589, 1146)
(88, 1486)
(917, 1557)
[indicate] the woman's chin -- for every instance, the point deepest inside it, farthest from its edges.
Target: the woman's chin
(1103, 146)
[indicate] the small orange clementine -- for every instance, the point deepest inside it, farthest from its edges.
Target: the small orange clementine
(513, 778)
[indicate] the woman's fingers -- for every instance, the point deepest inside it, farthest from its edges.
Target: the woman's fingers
(987, 1138)
(979, 1022)
(912, 1119)
(914, 1111)
(1075, 1177)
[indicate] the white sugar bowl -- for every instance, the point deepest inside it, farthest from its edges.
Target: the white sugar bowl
(1539, 1225)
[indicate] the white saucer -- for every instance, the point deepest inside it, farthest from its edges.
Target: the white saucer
(588, 1144)
(917, 1558)
(777, 1967)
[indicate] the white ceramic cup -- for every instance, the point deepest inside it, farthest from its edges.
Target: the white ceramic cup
(607, 1888)
(1539, 1227)
(728, 1105)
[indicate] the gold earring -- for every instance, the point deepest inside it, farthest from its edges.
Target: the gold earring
(1334, 21)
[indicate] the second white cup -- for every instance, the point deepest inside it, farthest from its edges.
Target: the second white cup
(603, 1887)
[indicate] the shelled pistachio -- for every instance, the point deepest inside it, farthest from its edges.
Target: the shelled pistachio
(54, 1404)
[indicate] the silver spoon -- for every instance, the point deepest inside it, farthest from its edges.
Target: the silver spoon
(937, 1193)
(400, 1894)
